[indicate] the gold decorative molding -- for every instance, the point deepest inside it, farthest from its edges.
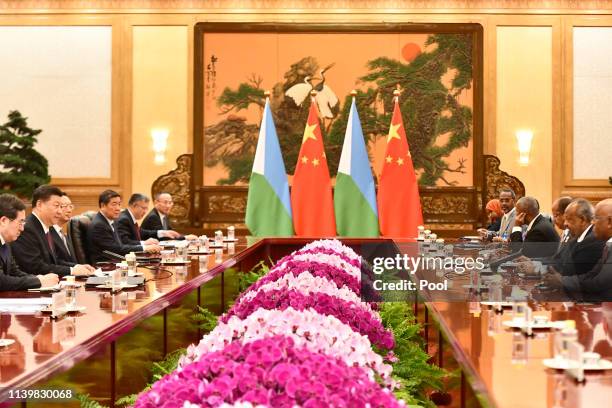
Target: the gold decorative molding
(224, 203)
(441, 205)
(496, 179)
(454, 227)
(313, 6)
(177, 182)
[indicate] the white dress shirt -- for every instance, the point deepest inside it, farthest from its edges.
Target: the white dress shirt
(59, 231)
(584, 233)
(520, 229)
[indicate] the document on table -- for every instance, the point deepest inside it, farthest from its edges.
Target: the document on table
(24, 305)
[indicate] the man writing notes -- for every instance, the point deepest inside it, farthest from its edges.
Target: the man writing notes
(129, 230)
(12, 220)
(103, 234)
(35, 250)
(158, 219)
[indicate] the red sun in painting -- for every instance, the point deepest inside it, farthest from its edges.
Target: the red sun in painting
(410, 51)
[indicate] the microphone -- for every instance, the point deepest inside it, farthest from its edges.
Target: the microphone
(113, 255)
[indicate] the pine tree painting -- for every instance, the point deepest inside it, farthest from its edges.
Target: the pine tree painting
(437, 123)
(22, 168)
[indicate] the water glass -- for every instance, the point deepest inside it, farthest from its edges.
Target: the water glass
(131, 263)
(166, 254)
(181, 252)
(231, 233)
(203, 243)
(124, 272)
(218, 238)
(70, 291)
(218, 256)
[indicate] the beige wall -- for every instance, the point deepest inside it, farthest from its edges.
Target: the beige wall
(524, 101)
(159, 100)
(527, 78)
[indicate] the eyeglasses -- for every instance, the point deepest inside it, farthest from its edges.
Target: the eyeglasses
(20, 222)
(67, 207)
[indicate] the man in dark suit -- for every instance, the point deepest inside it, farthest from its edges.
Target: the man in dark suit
(158, 219)
(558, 212)
(12, 220)
(540, 238)
(35, 251)
(63, 243)
(103, 234)
(129, 230)
(596, 284)
(584, 249)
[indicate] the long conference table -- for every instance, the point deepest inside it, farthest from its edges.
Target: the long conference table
(107, 350)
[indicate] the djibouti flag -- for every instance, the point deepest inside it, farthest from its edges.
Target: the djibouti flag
(268, 211)
(355, 193)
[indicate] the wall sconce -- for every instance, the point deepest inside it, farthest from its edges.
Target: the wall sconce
(524, 138)
(160, 143)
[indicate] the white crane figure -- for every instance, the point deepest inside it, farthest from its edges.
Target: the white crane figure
(326, 98)
(299, 92)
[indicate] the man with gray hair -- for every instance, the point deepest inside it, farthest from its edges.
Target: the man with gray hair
(596, 284)
(540, 238)
(129, 230)
(584, 249)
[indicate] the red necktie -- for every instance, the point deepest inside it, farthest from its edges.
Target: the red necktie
(137, 232)
(50, 242)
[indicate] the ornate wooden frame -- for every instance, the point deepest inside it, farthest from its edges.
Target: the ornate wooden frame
(445, 208)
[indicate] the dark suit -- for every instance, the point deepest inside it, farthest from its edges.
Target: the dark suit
(540, 241)
(595, 285)
(64, 251)
(101, 236)
(153, 222)
(580, 257)
(128, 230)
(32, 253)
(11, 277)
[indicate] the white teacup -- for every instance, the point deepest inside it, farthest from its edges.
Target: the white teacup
(540, 320)
(589, 357)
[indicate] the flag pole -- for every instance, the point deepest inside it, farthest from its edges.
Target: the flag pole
(396, 94)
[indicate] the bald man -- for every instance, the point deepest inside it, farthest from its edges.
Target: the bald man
(540, 238)
(595, 285)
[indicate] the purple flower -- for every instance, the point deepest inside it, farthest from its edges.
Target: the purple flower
(299, 377)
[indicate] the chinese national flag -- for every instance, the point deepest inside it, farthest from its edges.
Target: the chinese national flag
(399, 205)
(311, 193)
